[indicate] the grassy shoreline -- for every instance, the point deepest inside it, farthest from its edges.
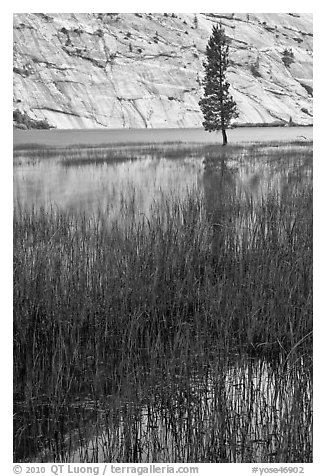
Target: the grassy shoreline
(98, 303)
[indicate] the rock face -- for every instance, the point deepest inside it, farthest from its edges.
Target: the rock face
(144, 70)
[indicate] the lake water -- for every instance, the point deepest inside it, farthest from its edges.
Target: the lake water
(92, 179)
(227, 413)
(63, 138)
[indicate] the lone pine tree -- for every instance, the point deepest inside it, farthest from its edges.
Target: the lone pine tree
(217, 105)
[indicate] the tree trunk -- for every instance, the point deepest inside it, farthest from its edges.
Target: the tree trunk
(225, 139)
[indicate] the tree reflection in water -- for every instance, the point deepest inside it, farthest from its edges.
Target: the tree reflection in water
(219, 189)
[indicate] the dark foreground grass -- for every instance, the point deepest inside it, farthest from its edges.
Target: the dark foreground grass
(247, 410)
(100, 307)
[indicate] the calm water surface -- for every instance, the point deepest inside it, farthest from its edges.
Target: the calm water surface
(108, 136)
(102, 183)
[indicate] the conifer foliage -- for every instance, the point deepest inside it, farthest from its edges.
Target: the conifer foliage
(217, 105)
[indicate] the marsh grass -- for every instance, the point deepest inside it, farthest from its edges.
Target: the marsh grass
(104, 309)
(111, 152)
(242, 412)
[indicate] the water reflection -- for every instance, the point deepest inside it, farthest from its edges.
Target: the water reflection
(91, 188)
(237, 413)
(218, 182)
(101, 185)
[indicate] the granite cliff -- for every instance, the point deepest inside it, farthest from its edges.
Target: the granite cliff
(144, 70)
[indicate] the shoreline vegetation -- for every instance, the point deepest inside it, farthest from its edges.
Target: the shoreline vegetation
(34, 146)
(196, 319)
